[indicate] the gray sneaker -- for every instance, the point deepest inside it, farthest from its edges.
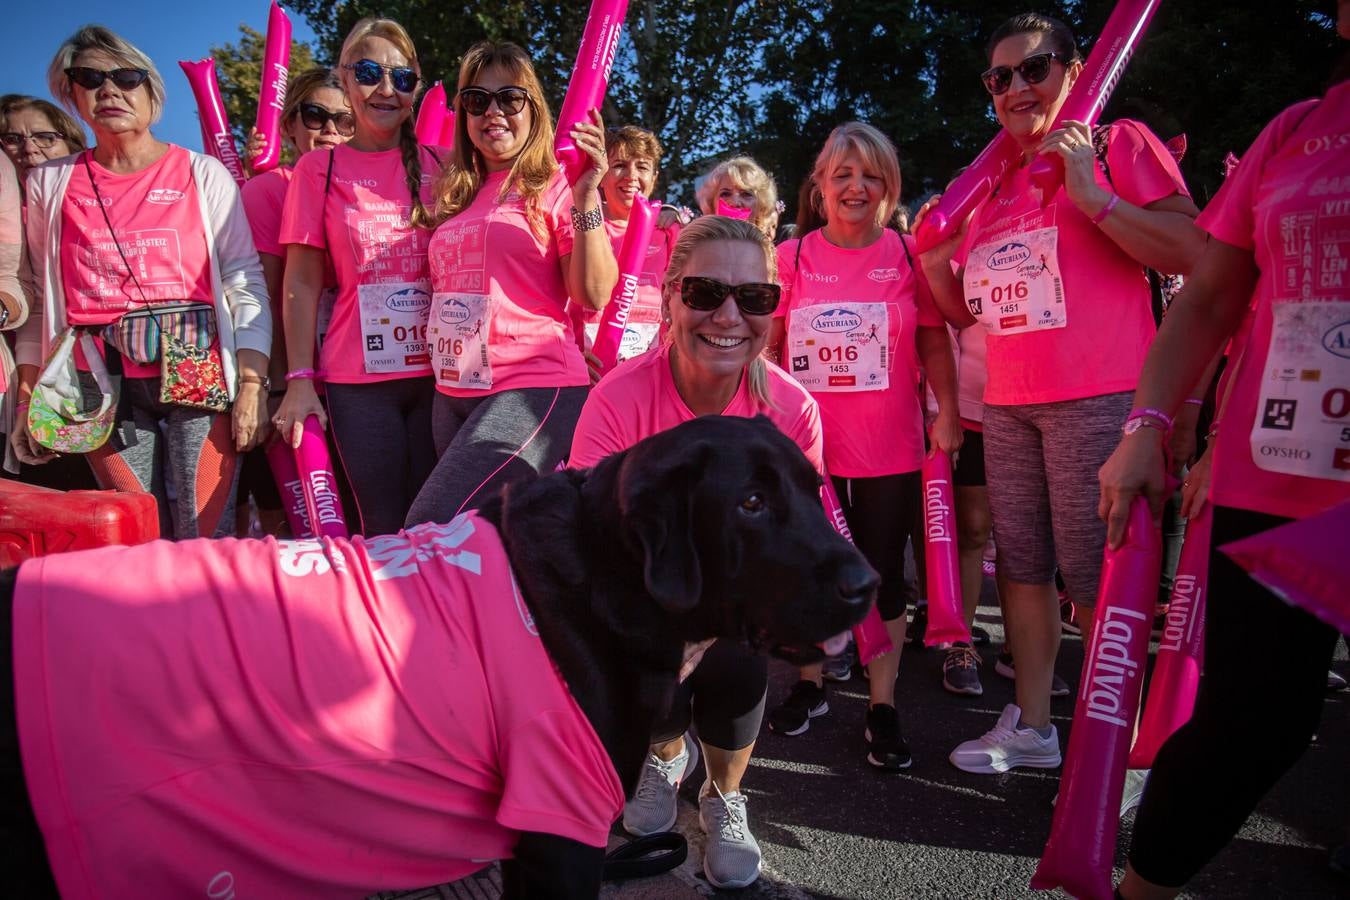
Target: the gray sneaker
(961, 671)
(840, 668)
(1004, 666)
(731, 856)
(655, 806)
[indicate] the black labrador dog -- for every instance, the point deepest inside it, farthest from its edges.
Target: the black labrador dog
(712, 529)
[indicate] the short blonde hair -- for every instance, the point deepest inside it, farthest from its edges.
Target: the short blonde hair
(722, 228)
(745, 172)
(878, 154)
(96, 37)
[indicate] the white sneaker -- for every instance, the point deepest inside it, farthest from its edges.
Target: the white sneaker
(731, 856)
(1005, 746)
(655, 805)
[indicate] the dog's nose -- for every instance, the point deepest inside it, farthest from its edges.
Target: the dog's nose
(857, 582)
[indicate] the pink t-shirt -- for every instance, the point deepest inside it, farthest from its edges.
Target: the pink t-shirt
(487, 260)
(303, 719)
(643, 327)
(868, 433)
(1289, 203)
(1109, 321)
(971, 374)
(157, 221)
(363, 224)
(639, 399)
(264, 198)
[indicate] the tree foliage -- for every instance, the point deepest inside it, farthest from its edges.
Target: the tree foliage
(239, 72)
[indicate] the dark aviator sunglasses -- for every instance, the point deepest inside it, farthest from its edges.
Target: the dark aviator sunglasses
(1034, 69)
(477, 101)
(708, 294)
(126, 79)
(369, 73)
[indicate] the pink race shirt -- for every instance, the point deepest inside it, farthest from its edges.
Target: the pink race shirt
(1107, 321)
(378, 329)
(303, 719)
(1289, 410)
(264, 199)
(643, 327)
(639, 399)
(157, 221)
(499, 321)
(856, 295)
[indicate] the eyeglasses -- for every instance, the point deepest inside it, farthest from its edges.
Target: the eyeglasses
(708, 294)
(126, 79)
(510, 100)
(1034, 69)
(44, 140)
(315, 117)
(369, 73)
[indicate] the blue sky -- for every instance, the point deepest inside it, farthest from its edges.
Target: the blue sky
(167, 30)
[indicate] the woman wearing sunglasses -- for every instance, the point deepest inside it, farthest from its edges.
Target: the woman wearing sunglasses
(137, 237)
(856, 328)
(515, 242)
(314, 116)
(1059, 284)
(717, 298)
(360, 212)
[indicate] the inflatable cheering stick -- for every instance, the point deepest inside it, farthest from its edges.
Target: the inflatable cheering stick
(870, 634)
(319, 482)
(447, 129)
(272, 95)
(1101, 73)
(216, 133)
(431, 116)
(590, 78)
(1176, 672)
(946, 612)
(1082, 843)
(632, 257)
(281, 459)
(968, 191)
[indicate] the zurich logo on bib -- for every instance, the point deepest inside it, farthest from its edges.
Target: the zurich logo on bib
(835, 320)
(454, 311)
(1009, 256)
(408, 300)
(1337, 340)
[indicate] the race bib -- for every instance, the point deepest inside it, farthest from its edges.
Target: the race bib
(324, 315)
(1014, 285)
(394, 326)
(458, 332)
(840, 347)
(1302, 422)
(638, 333)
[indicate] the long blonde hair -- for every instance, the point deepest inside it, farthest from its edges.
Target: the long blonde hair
(531, 170)
(744, 172)
(721, 228)
(397, 35)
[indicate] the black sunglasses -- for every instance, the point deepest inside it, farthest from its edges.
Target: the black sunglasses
(708, 294)
(510, 100)
(1034, 69)
(369, 72)
(315, 117)
(44, 140)
(126, 79)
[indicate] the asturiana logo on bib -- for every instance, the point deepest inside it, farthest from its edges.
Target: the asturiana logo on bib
(1337, 340)
(1009, 256)
(408, 300)
(832, 320)
(164, 196)
(884, 275)
(454, 311)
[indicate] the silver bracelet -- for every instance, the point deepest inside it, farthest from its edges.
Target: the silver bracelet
(587, 221)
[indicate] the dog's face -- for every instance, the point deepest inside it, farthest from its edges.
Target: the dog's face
(726, 515)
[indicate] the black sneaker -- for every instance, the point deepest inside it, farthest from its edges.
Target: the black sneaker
(918, 626)
(886, 749)
(804, 702)
(978, 636)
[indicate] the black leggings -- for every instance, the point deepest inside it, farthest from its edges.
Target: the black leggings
(724, 698)
(1258, 705)
(882, 513)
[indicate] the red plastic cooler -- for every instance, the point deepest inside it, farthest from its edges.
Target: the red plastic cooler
(37, 521)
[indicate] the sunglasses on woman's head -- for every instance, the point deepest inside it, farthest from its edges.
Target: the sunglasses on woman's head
(708, 294)
(510, 100)
(44, 140)
(315, 117)
(369, 73)
(1034, 69)
(126, 79)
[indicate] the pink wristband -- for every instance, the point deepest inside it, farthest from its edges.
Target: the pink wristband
(1152, 413)
(1195, 401)
(21, 407)
(1106, 210)
(299, 374)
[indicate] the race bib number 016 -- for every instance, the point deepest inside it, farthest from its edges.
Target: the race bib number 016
(1013, 286)
(394, 326)
(458, 332)
(840, 347)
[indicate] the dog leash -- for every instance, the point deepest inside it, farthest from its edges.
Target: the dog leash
(644, 857)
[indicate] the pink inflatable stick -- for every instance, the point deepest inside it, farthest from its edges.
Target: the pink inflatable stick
(211, 112)
(1176, 672)
(968, 190)
(272, 96)
(431, 116)
(946, 612)
(870, 634)
(1101, 73)
(282, 461)
(590, 78)
(447, 129)
(632, 258)
(320, 484)
(1082, 843)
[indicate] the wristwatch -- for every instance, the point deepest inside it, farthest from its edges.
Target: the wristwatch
(263, 380)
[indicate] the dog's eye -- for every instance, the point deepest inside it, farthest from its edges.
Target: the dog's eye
(753, 505)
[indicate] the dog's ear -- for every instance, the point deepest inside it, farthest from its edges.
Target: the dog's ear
(657, 497)
(541, 522)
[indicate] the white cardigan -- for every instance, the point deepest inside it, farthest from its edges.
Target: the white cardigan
(236, 275)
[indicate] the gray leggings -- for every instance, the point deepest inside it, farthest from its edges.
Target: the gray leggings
(486, 442)
(383, 435)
